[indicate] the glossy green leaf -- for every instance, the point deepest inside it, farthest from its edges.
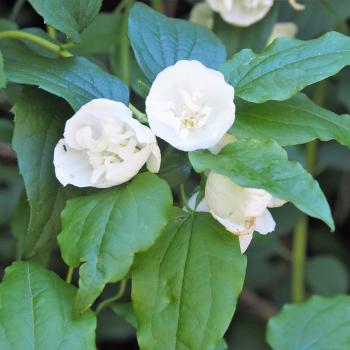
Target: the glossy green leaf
(36, 312)
(159, 42)
(319, 324)
(39, 123)
(106, 229)
(2, 73)
(185, 288)
(290, 122)
(286, 66)
(75, 79)
(69, 16)
(237, 38)
(326, 275)
(264, 164)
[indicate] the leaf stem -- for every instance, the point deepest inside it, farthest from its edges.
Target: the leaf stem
(141, 117)
(19, 35)
(300, 233)
(51, 31)
(157, 5)
(184, 198)
(69, 274)
(16, 9)
(108, 301)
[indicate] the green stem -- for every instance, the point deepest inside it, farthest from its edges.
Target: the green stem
(300, 233)
(16, 9)
(184, 198)
(51, 31)
(19, 35)
(108, 301)
(141, 117)
(121, 6)
(69, 274)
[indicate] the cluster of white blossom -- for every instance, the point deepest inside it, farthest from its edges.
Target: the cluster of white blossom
(189, 106)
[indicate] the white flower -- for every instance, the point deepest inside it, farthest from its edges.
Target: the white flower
(241, 210)
(104, 146)
(190, 106)
(283, 29)
(241, 13)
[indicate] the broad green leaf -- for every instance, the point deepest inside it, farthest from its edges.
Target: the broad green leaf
(6, 130)
(318, 324)
(326, 275)
(286, 66)
(101, 34)
(39, 123)
(126, 312)
(264, 164)
(69, 16)
(2, 73)
(36, 312)
(159, 42)
(75, 79)
(237, 38)
(290, 122)
(106, 229)
(185, 288)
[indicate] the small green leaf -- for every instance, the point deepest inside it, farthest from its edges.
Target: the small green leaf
(326, 275)
(36, 312)
(69, 16)
(319, 324)
(291, 122)
(159, 42)
(75, 79)
(106, 229)
(185, 288)
(264, 164)
(39, 122)
(286, 66)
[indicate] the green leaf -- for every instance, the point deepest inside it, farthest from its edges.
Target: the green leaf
(264, 164)
(159, 42)
(75, 79)
(319, 324)
(185, 288)
(39, 123)
(291, 122)
(101, 34)
(69, 16)
(126, 312)
(326, 275)
(106, 229)
(36, 312)
(2, 73)
(286, 66)
(237, 38)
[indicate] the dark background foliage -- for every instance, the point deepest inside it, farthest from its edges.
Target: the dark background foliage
(268, 279)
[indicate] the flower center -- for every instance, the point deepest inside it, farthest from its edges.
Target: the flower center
(110, 145)
(192, 111)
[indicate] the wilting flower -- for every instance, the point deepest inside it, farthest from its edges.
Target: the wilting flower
(241, 13)
(283, 29)
(104, 146)
(190, 106)
(241, 210)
